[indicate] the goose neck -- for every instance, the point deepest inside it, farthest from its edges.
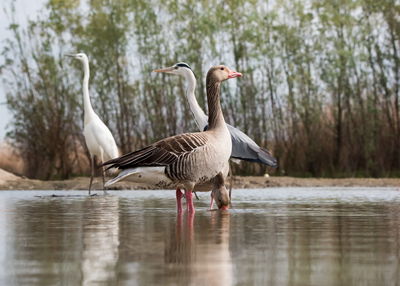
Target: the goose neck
(215, 115)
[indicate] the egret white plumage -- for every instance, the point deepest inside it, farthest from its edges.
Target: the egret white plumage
(99, 140)
(190, 159)
(243, 147)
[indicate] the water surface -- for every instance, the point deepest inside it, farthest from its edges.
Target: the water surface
(294, 236)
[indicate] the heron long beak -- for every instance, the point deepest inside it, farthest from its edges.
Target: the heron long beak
(70, 55)
(167, 70)
(233, 74)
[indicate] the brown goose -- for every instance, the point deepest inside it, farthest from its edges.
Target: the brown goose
(189, 159)
(219, 193)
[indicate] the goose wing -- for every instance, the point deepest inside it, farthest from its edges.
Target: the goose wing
(161, 153)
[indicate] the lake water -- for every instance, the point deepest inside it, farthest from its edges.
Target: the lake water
(277, 236)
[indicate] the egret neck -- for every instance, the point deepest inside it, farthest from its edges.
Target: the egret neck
(89, 112)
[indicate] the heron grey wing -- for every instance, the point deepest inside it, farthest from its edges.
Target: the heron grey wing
(244, 148)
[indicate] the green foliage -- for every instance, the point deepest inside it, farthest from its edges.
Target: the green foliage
(320, 86)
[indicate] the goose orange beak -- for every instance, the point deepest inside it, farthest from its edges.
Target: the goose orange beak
(233, 74)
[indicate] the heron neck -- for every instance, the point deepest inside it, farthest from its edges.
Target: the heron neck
(198, 113)
(88, 109)
(215, 115)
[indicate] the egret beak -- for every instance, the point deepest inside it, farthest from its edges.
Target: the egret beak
(70, 55)
(233, 74)
(166, 70)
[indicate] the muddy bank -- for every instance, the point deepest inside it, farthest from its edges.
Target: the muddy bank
(11, 182)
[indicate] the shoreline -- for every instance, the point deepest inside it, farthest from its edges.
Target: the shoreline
(239, 182)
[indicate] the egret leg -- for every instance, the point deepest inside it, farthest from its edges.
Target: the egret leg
(189, 201)
(92, 172)
(179, 196)
(230, 183)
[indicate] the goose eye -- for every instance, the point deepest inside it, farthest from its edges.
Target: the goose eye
(222, 69)
(176, 68)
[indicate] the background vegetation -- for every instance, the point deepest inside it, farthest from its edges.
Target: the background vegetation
(321, 84)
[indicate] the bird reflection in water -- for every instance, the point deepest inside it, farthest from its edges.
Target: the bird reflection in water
(100, 240)
(201, 248)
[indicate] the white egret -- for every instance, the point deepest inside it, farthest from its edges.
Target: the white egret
(98, 137)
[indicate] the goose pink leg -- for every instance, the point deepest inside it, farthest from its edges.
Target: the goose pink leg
(189, 201)
(179, 196)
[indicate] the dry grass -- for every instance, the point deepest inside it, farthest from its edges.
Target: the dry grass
(10, 160)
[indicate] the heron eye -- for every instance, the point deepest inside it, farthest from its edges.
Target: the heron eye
(222, 69)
